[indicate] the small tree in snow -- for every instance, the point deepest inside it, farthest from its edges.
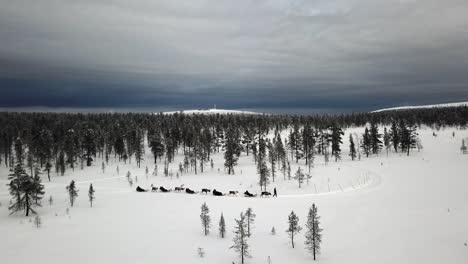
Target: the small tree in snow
(205, 218)
(222, 226)
(240, 238)
(273, 231)
(91, 194)
(37, 221)
(103, 167)
(463, 147)
(51, 200)
(299, 176)
(201, 252)
(250, 218)
(313, 236)
(293, 227)
(72, 192)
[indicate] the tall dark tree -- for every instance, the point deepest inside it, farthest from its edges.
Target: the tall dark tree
(366, 143)
(394, 135)
(352, 147)
(293, 226)
(91, 196)
(313, 236)
(72, 192)
(89, 146)
(250, 219)
(205, 218)
(222, 226)
(262, 168)
(240, 240)
(232, 150)
(375, 137)
(336, 141)
(27, 191)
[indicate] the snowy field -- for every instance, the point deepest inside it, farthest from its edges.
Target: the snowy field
(394, 209)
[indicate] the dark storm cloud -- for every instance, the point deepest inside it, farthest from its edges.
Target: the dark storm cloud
(339, 55)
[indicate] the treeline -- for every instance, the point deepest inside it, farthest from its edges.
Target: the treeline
(62, 141)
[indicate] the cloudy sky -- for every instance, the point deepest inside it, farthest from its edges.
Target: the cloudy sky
(283, 55)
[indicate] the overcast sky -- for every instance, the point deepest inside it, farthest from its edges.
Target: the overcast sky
(287, 55)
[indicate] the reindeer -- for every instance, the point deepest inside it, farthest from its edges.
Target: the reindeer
(265, 194)
(205, 191)
(216, 193)
(233, 193)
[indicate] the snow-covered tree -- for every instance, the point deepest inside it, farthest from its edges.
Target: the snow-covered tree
(250, 219)
(91, 194)
(25, 190)
(205, 218)
(352, 147)
(299, 176)
(293, 226)
(463, 147)
(222, 226)
(72, 192)
(240, 238)
(313, 236)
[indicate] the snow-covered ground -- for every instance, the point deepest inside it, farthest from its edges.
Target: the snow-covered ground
(212, 112)
(422, 106)
(394, 209)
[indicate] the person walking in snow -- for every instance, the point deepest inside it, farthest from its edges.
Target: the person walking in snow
(274, 193)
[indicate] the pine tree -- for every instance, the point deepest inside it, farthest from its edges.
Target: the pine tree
(272, 158)
(376, 143)
(313, 236)
(463, 147)
(205, 218)
(232, 150)
(366, 142)
(293, 227)
(37, 221)
(386, 139)
(352, 148)
(37, 187)
(240, 238)
(336, 141)
(409, 136)
(72, 192)
(299, 176)
(91, 194)
(25, 190)
(394, 135)
(222, 226)
(250, 217)
(262, 168)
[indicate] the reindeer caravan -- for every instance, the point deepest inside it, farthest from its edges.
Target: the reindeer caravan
(204, 191)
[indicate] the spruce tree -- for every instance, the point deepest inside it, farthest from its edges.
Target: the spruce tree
(232, 150)
(240, 238)
(386, 140)
(395, 135)
(222, 226)
(262, 168)
(352, 148)
(313, 236)
(205, 218)
(366, 142)
(25, 190)
(299, 176)
(463, 147)
(293, 226)
(336, 141)
(375, 137)
(91, 194)
(272, 156)
(250, 219)
(72, 192)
